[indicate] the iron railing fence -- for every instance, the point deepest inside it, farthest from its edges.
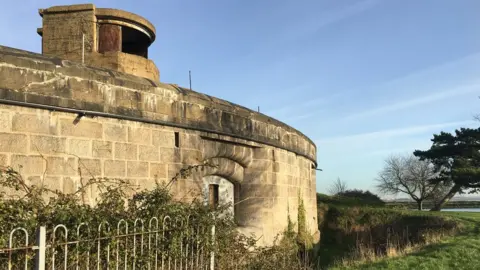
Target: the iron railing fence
(166, 243)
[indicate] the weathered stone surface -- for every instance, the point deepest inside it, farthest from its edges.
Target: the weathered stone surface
(13, 143)
(5, 122)
(237, 125)
(158, 170)
(69, 185)
(115, 133)
(168, 155)
(90, 168)
(190, 141)
(61, 166)
(191, 157)
(48, 145)
(3, 160)
(173, 169)
(28, 164)
(126, 151)
(79, 147)
(83, 128)
(163, 138)
(33, 123)
(139, 135)
(102, 149)
(52, 183)
(137, 169)
(148, 153)
(115, 168)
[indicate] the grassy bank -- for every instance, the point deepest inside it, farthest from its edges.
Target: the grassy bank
(360, 235)
(455, 252)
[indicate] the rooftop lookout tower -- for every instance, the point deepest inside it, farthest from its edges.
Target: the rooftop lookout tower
(100, 37)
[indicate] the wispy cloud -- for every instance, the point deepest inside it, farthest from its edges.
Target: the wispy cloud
(449, 67)
(287, 110)
(301, 116)
(416, 101)
(302, 109)
(398, 132)
(314, 24)
(307, 25)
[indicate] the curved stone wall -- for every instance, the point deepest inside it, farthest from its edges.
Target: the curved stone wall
(61, 121)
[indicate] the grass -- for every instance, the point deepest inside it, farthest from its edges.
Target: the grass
(455, 252)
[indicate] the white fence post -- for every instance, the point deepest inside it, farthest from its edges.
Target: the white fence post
(41, 247)
(212, 253)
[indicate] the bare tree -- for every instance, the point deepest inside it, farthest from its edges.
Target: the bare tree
(409, 175)
(337, 187)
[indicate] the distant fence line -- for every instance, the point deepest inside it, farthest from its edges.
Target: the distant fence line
(166, 243)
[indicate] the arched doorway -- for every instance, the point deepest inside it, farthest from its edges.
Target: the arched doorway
(217, 190)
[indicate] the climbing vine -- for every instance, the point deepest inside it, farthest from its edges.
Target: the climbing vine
(29, 205)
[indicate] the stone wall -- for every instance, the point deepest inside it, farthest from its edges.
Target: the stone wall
(133, 137)
(65, 29)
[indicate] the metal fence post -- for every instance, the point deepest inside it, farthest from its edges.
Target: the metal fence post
(212, 253)
(41, 247)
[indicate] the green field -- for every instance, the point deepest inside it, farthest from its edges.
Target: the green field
(427, 205)
(461, 251)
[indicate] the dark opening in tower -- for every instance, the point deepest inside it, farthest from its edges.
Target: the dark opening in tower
(134, 42)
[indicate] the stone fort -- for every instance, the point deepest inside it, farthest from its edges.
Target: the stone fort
(93, 102)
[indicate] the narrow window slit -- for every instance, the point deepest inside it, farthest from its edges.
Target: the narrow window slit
(177, 139)
(213, 196)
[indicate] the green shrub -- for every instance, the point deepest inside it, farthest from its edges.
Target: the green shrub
(35, 205)
(363, 197)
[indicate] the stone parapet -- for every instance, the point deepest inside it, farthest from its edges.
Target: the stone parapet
(38, 79)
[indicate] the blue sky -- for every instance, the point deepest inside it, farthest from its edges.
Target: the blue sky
(362, 78)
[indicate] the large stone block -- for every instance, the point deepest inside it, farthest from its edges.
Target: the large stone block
(115, 133)
(262, 153)
(139, 135)
(293, 192)
(69, 185)
(114, 168)
(3, 160)
(79, 147)
(191, 157)
(282, 191)
(85, 90)
(148, 153)
(170, 155)
(36, 123)
(83, 128)
(158, 170)
(163, 138)
(173, 169)
(5, 122)
(48, 145)
(89, 168)
(126, 151)
(15, 78)
(102, 149)
(13, 143)
(61, 166)
(28, 164)
(52, 183)
(137, 169)
(191, 141)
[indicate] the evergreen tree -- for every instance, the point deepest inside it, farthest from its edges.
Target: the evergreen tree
(457, 161)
